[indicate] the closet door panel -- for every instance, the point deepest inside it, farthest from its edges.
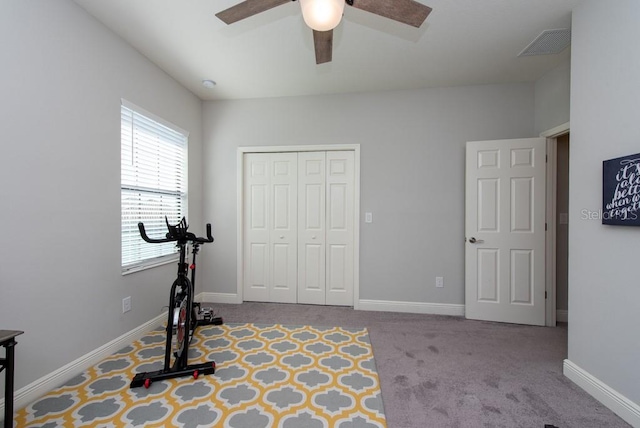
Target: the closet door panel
(256, 227)
(340, 178)
(311, 227)
(284, 227)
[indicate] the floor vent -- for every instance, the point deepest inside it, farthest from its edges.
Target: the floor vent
(548, 42)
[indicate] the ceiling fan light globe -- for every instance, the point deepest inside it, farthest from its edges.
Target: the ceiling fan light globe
(322, 15)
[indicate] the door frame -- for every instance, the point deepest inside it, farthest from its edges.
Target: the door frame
(240, 207)
(552, 188)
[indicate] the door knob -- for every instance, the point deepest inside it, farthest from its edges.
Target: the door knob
(281, 236)
(475, 241)
(313, 237)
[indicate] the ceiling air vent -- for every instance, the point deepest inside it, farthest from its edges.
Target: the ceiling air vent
(548, 42)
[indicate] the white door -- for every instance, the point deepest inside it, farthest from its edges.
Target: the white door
(505, 231)
(326, 190)
(311, 227)
(340, 227)
(270, 227)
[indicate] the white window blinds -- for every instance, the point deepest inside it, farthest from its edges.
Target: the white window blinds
(153, 185)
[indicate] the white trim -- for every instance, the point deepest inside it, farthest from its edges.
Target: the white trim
(155, 117)
(356, 229)
(312, 148)
(411, 307)
(551, 211)
(226, 298)
(557, 131)
(240, 207)
(39, 387)
(364, 305)
(550, 233)
(150, 263)
(562, 315)
(240, 224)
(616, 402)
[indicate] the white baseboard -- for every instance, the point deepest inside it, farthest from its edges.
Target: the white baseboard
(364, 305)
(562, 315)
(616, 402)
(231, 298)
(41, 386)
(411, 307)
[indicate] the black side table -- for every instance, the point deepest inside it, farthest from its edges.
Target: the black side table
(7, 340)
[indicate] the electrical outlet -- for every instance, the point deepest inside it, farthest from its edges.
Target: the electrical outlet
(126, 304)
(368, 217)
(439, 282)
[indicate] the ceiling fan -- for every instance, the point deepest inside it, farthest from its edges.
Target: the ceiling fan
(324, 15)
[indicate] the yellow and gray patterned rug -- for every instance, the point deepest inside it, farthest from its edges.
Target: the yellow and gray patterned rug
(266, 376)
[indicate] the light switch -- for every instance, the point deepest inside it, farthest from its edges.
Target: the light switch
(368, 217)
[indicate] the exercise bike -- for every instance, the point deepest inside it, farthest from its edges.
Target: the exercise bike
(184, 315)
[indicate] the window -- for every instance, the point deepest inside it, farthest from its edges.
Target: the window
(153, 185)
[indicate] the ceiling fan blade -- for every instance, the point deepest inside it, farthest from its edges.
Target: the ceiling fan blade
(408, 12)
(247, 8)
(323, 42)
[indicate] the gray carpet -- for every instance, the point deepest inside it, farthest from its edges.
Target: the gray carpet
(439, 371)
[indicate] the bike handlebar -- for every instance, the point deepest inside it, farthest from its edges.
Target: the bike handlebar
(182, 234)
(209, 237)
(144, 236)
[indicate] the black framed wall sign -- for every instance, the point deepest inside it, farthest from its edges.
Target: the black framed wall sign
(621, 191)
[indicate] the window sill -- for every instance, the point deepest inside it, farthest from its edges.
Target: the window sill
(148, 265)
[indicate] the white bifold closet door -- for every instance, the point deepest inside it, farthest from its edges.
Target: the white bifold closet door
(270, 222)
(323, 196)
(325, 227)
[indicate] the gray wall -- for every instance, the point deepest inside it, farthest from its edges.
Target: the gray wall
(552, 98)
(61, 80)
(412, 174)
(604, 289)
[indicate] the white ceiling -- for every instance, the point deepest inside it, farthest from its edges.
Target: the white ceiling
(462, 42)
